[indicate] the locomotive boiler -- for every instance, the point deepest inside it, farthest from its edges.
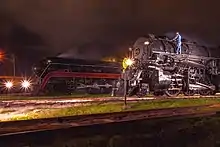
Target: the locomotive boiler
(154, 67)
(65, 75)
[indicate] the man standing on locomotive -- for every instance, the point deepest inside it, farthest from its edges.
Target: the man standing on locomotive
(178, 42)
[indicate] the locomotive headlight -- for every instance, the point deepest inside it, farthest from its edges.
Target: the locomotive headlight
(8, 84)
(146, 42)
(25, 84)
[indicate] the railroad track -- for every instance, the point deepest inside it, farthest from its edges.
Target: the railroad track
(27, 126)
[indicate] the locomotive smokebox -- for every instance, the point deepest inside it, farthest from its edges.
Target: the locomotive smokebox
(141, 49)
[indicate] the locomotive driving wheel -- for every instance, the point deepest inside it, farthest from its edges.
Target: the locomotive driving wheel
(172, 92)
(207, 81)
(143, 90)
(205, 92)
(189, 92)
(186, 90)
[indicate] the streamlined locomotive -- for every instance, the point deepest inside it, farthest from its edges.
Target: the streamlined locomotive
(157, 69)
(65, 75)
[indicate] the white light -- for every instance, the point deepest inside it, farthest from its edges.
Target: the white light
(129, 62)
(25, 84)
(9, 85)
(146, 42)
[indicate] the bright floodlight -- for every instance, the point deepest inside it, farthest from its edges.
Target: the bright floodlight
(25, 84)
(9, 85)
(129, 62)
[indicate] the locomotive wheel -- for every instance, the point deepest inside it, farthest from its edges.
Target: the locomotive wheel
(205, 92)
(172, 93)
(212, 92)
(143, 91)
(189, 92)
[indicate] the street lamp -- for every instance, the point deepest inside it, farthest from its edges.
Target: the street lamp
(125, 88)
(11, 59)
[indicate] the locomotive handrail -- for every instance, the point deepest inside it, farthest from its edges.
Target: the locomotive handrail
(44, 70)
(153, 37)
(188, 55)
(185, 42)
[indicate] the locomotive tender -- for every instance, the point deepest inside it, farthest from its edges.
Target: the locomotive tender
(157, 69)
(66, 75)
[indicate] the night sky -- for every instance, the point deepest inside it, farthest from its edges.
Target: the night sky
(42, 28)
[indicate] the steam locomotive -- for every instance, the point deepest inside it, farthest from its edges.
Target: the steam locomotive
(64, 75)
(157, 69)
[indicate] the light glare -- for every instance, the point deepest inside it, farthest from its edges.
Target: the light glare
(129, 62)
(25, 84)
(9, 84)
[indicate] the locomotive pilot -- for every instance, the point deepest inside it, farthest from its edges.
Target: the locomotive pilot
(178, 38)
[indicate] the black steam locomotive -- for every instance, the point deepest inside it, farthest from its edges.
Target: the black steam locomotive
(157, 69)
(63, 75)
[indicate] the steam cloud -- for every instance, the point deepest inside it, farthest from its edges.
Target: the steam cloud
(77, 54)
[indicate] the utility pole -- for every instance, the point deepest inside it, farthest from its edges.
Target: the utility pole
(14, 66)
(125, 89)
(11, 58)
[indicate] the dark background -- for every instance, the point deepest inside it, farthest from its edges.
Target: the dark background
(33, 29)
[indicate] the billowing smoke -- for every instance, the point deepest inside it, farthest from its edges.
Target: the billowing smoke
(79, 54)
(90, 51)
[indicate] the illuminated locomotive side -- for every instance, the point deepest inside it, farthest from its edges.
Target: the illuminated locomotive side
(65, 75)
(156, 68)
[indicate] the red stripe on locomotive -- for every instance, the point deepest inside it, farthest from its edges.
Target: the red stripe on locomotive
(78, 75)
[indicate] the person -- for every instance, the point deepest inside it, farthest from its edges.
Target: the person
(178, 42)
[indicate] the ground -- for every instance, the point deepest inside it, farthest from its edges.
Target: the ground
(166, 132)
(31, 109)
